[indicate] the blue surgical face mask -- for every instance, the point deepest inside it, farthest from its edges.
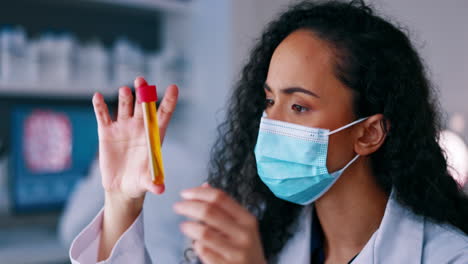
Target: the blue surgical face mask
(292, 160)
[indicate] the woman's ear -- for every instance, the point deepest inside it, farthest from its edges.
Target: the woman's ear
(371, 134)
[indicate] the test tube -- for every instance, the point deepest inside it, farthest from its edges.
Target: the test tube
(147, 96)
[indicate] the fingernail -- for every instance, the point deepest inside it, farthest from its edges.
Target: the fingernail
(95, 97)
(176, 207)
(185, 194)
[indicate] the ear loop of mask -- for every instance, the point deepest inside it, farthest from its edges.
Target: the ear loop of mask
(346, 126)
(349, 163)
(340, 129)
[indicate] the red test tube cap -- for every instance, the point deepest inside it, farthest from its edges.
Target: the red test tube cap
(147, 93)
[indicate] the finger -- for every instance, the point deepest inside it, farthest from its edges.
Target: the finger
(100, 110)
(137, 112)
(166, 108)
(125, 110)
(207, 255)
(153, 188)
(156, 188)
(209, 214)
(221, 199)
(209, 238)
(139, 81)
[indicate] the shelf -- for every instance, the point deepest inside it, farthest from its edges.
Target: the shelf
(79, 93)
(44, 91)
(154, 5)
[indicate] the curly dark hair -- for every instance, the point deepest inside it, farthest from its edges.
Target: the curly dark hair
(378, 62)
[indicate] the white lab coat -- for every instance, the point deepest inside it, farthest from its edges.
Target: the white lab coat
(402, 237)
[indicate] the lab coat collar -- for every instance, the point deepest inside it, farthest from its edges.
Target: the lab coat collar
(400, 231)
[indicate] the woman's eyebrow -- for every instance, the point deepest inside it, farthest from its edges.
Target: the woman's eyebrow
(266, 87)
(291, 90)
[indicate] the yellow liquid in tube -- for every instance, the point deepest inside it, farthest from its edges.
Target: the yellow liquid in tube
(154, 142)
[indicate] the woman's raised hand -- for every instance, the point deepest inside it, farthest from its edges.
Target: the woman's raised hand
(123, 154)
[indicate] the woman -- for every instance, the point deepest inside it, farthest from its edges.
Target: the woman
(341, 91)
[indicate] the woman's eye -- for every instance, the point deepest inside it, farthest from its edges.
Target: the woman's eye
(299, 108)
(269, 102)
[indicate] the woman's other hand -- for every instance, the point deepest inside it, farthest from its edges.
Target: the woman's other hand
(223, 231)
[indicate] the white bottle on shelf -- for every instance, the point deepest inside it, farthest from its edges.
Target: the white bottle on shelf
(167, 67)
(14, 55)
(177, 66)
(127, 62)
(92, 67)
(64, 45)
(46, 58)
(154, 70)
(99, 58)
(32, 64)
(55, 60)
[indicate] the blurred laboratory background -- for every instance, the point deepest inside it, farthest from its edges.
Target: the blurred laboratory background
(55, 54)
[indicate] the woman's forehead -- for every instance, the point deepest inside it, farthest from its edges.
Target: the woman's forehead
(304, 60)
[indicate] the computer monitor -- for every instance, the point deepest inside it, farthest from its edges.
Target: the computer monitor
(51, 148)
